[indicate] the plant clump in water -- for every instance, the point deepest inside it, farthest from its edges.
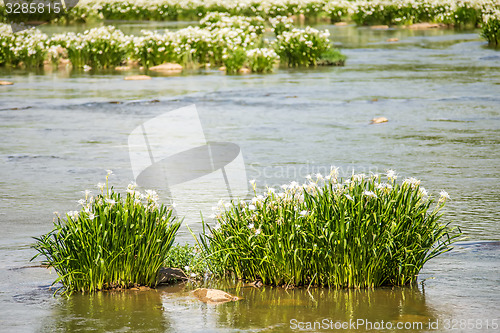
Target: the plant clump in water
(358, 233)
(111, 242)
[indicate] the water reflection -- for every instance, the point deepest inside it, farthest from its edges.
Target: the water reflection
(276, 309)
(128, 311)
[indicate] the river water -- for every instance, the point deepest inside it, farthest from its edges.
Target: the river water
(440, 90)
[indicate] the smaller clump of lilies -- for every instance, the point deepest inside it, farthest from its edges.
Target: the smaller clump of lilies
(361, 232)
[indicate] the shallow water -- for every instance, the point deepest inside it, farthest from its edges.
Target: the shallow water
(439, 89)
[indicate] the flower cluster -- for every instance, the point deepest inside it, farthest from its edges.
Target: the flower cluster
(27, 48)
(356, 232)
(491, 27)
(302, 47)
(220, 39)
(261, 60)
(98, 47)
(362, 11)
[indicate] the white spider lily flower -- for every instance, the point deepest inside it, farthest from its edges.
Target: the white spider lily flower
(391, 174)
(370, 194)
(109, 201)
(73, 214)
(443, 196)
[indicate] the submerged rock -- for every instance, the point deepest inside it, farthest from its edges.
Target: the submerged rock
(6, 83)
(214, 296)
(168, 274)
(137, 77)
(392, 40)
(123, 68)
(244, 70)
(421, 26)
(379, 27)
(379, 120)
(167, 67)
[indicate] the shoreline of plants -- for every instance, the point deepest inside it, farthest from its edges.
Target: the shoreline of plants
(220, 40)
(460, 13)
(362, 232)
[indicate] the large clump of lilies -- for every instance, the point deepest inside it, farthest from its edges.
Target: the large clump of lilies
(111, 242)
(366, 231)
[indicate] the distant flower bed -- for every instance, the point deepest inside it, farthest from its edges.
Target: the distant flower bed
(362, 232)
(220, 39)
(484, 13)
(458, 12)
(111, 242)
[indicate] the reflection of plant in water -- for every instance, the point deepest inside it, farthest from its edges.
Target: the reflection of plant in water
(134, 311)
(274, 307)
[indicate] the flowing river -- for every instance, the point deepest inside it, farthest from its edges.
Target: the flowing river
(440, 90)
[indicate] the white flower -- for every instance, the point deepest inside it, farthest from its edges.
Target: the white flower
(348, 197)
(73, 214)
(81, 202)
(193, 274)
(258, 231)
(101, 186)
(253, 183)
(109, 201)
(186, 268)
(110, 172)
(304, 213)
(413, 182)
(370, 194)
(443, 195)
(251, 226)
(252, 207)
(391, 174)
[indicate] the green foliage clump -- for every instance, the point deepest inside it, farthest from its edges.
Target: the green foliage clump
(354, 234)
(261, 60)
(102, 47)
(302, 47)
(234, 59)
(27, 48)
(491, 29)
(112, 242)
(188, 258)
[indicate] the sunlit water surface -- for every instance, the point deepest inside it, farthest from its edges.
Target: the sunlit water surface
(439, 89)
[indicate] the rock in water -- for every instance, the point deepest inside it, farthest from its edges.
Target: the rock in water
(244, 70)
(167, 67)
(137, 77)
(379, 120)
(168, 274)
(6, 83)
(214, 296)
